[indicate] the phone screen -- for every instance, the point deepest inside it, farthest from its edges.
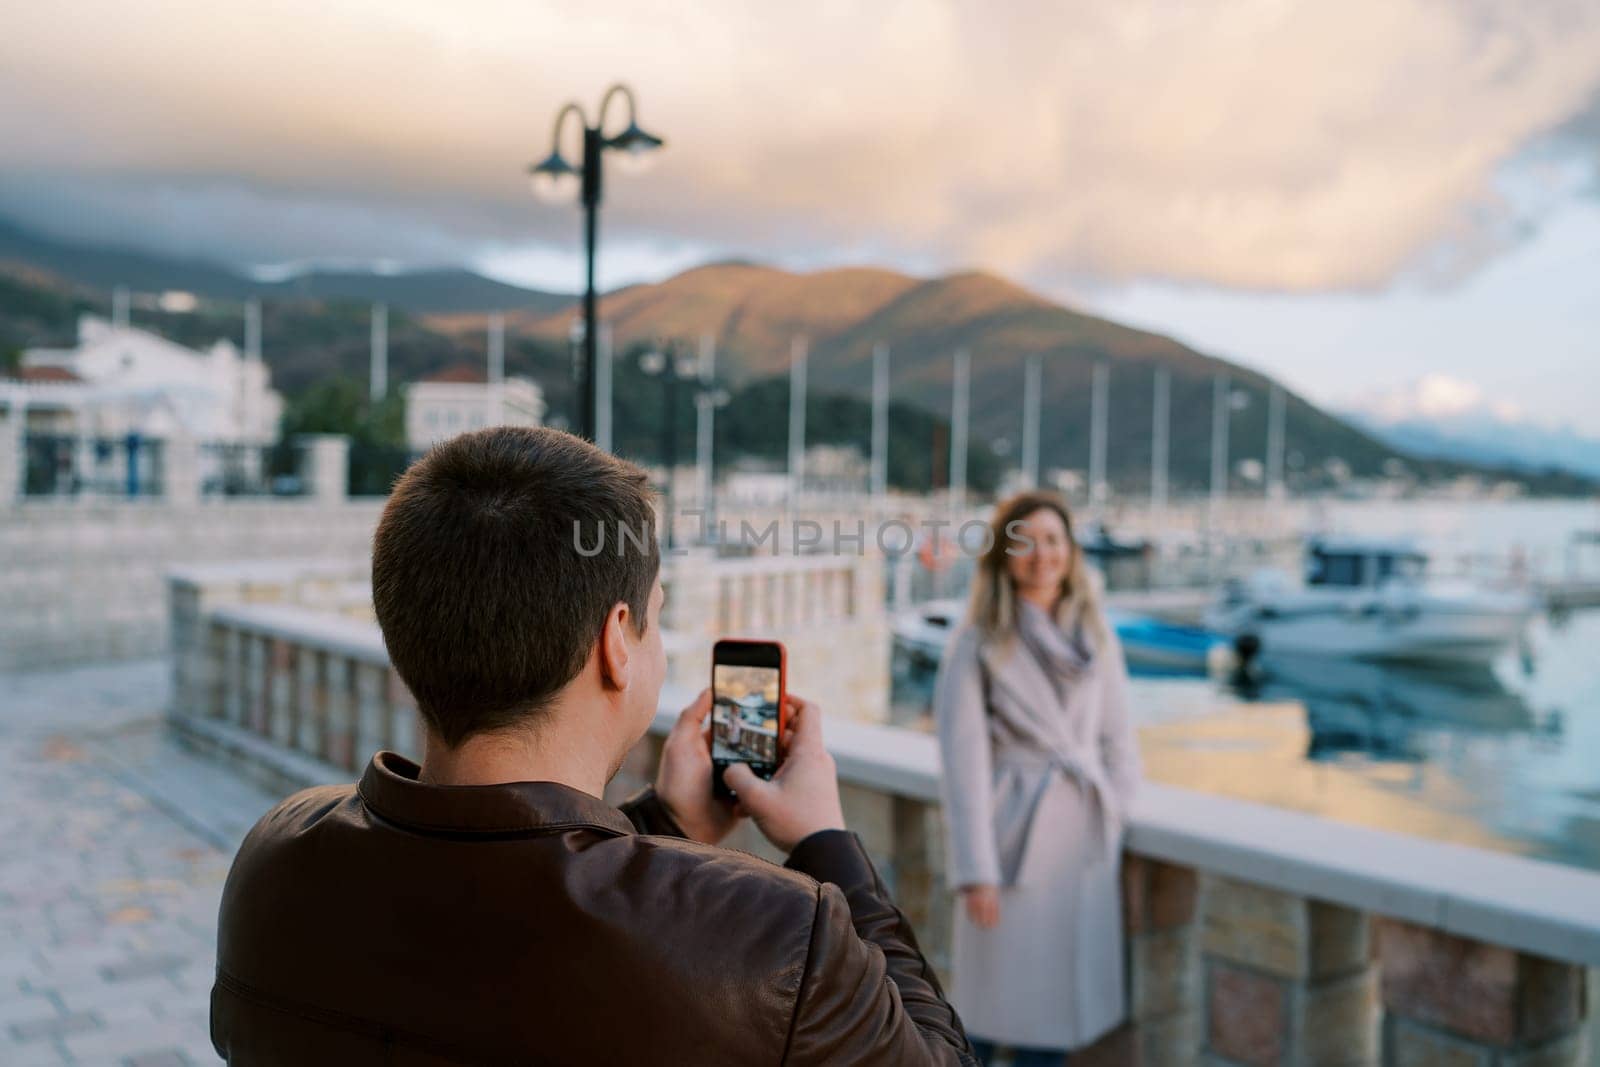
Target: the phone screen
(746, 707)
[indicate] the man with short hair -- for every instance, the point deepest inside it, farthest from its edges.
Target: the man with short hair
(488, 905)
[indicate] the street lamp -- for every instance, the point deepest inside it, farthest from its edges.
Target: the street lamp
(672, 368)
(554, 179)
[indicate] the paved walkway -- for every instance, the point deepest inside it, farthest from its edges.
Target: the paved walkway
(114, 844)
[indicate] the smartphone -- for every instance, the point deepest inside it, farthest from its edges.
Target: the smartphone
(749, 713)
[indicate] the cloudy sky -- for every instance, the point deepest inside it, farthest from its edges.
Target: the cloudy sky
(1368, 197)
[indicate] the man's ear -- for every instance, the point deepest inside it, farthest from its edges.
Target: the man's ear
(614, 657)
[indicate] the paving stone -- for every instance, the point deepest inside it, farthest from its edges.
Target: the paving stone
(26, 1008)
(54, 1025)
(142, 967)
(130, 1012)
(167, 1058)
(108, 896)
(33, 1054)
(160, 1036)
(150, 990)
(201, 1052)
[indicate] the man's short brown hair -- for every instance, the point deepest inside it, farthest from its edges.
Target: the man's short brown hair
(488, 607)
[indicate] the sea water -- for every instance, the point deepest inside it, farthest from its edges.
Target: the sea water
(1504, 756)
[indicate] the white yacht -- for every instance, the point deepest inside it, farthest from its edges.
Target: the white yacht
(923, 631)
(1368, 599)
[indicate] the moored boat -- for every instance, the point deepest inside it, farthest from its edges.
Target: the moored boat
(1148, 643)
(1368, 599)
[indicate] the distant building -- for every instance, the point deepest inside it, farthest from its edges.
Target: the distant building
(745, 485)
(119, 381)
(836, 469)
(461, 398)
(828, 469)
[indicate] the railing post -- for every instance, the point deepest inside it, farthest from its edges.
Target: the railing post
(255, 683)
(339, 703)
(233, 674)
(1160, 921)
(690, 614)
(181, 471)
(199, 683)
(1450, 1000)
(372, 725)
(186, 625)
(13, 451)
(1287, 980)
(917, 864)
(308, 700)
(692, 590)
(325, 465)
(280, 691)
(404, 727)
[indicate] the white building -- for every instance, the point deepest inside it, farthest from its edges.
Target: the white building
(121, 380)
(461, 398)
(828, 469)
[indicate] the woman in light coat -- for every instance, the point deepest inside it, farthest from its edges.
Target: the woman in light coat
(1040, 766)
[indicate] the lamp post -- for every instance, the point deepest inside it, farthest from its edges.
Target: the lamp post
(554, 179)
(672, 367)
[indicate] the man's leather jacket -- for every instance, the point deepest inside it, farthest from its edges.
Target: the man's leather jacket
(402, 923)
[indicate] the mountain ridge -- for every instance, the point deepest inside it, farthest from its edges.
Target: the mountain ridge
(1487, 440)
(755, 311)
(424, 290)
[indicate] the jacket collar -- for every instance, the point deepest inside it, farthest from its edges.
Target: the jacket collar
(390, 790)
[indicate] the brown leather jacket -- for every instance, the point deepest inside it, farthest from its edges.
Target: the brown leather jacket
(402, 923)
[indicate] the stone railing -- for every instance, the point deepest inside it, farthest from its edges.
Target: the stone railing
(1254, 935)
(827, 610)
(287, 653)
(1257, 935)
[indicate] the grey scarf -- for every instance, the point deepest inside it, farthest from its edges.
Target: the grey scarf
(1063, 658)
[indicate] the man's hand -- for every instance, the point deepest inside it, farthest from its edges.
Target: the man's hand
(983, 905)
(803, 797)
(683, 782)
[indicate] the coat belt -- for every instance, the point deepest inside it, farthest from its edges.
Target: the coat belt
(1045, 766)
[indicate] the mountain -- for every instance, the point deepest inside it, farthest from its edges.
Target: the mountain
(1484, 439)
(420, 292)
(315, 327)
(304, 340)
(104, 268)
(442, 290)
(754, 312)
(1445, 417)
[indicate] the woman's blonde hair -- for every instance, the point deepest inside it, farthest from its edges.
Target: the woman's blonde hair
(993, 606)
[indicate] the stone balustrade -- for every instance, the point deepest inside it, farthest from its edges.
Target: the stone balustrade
(827, 610)
(1258, 936)
(1255, 936)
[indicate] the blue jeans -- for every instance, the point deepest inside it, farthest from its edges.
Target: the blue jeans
(1020, 1057)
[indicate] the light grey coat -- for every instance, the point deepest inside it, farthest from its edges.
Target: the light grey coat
(1036, 789)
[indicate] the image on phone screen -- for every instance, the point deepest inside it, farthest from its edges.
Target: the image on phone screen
(744, 716)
